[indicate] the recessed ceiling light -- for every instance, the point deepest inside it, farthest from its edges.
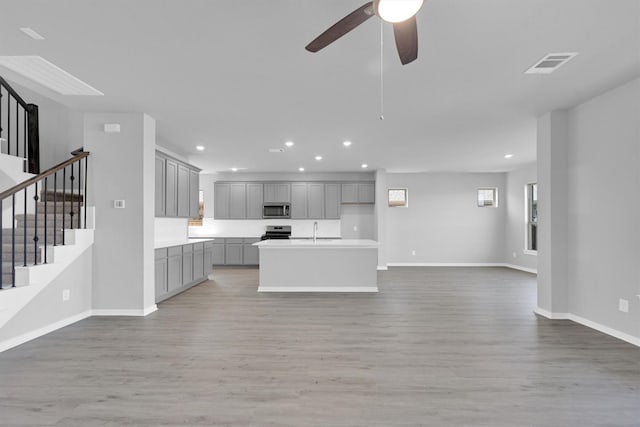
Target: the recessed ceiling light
(318, 157)
(234, 169)
(301, 169)
(508, 156)
(364, 166)
(289, 143)
(347, 143)
(47, 74)
(31, 33)
(200, 147)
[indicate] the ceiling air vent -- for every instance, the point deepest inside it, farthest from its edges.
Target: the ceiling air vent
(550, 63)
(276, 150)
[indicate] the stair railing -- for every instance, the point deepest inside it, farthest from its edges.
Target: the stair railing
(19, 134)
(63, 190)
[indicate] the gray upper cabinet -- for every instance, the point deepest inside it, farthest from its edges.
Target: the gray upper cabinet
(160, 186)
(315, 200)
(171, 194)
(183, 191)
(254, 200)
(237, 201)
(332, 201)
(221, 192)
(277, 192)
(194, 194)
(361, 192)
(299, 200)
(176, 188)
(366, 193)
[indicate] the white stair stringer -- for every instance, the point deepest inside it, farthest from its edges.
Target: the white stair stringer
(13, 169)
(33, 279)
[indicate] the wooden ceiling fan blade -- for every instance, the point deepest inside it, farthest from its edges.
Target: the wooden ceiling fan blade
(406, 35)
(341, 27)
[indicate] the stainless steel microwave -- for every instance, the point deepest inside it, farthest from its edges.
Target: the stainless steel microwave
(276, 210)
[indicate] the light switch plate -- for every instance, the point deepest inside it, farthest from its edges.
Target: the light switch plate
(118, 204)
(623, 305)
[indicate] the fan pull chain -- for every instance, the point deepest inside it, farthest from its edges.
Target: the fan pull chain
(381, 68)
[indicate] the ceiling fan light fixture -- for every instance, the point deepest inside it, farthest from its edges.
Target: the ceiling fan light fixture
(395, 11)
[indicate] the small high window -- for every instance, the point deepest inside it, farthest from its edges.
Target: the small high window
(487, 197)
(398, 197)
(531, 207)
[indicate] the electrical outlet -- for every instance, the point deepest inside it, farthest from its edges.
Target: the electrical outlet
(623, 305)
(66, 295)
(355, 228)
(515, 255)
(413, 253)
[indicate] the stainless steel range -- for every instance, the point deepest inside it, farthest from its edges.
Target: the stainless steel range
(277, 232)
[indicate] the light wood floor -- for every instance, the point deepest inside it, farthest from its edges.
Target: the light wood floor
(436, 347)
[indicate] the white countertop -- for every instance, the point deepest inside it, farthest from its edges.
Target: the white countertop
(180, 242)
(320, 243)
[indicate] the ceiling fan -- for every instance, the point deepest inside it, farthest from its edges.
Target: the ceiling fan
(400, 13)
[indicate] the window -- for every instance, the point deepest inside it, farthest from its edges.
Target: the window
(198, 222)
(531, 218)
(487, 197)
(398, 197)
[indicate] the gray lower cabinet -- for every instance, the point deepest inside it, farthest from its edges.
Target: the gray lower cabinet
(187, 263)
(250, 252)
(174, 268)
(233, 251)
(332, 201)
(217, 252)
(160, 272)
(198, 261)
(179, 267)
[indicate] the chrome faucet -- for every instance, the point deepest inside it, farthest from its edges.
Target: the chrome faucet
(315, 231)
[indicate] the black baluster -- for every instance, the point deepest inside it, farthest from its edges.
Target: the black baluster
(73, 178)
(84, 200)
(24, 134)
(24, 242)
(64, 201)
(17, 130)
(55, 208)
(35, 227)
(45, 220)
(13, 240)
(79, 185)
(1, 121)
(8, 124)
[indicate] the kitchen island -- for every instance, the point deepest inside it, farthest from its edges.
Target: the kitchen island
(323, 265)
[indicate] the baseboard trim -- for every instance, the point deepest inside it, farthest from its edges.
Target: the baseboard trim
(521, 268)
(605, 329)
(549, 315)
(21, 339)
(590, 324)
(461, 264)
(318, 289)
(133, 312)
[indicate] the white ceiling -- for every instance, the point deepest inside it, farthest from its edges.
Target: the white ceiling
(233, 76)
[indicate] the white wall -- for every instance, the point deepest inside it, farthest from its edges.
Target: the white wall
(47, 307)
(443, 223)
(604, 208)
(121, 167)
(515, 227)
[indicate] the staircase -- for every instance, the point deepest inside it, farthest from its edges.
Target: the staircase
(48, 225)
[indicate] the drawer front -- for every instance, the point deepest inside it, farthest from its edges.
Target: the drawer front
(175, 251)
(209, 245)
(187, 249)
(233, 240)
(198, 247)
(250, 241)
(161, 253)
